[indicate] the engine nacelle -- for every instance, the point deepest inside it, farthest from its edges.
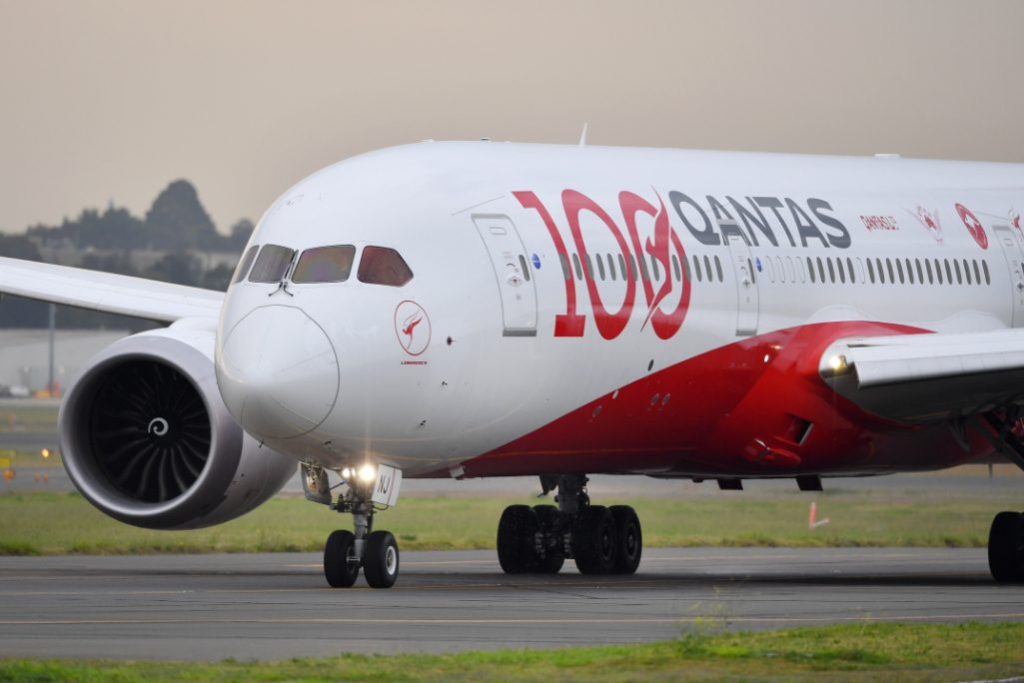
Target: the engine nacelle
(146, 438)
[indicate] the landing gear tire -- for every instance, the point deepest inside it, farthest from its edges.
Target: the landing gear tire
(1006, 547)
(629, 537)
(380, 559)
(549, 519)
(341, 566)
(517, 534)
(594, 541)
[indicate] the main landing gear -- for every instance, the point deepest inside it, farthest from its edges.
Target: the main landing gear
(369, 489)
(1006, 536)
(1006, 547)
(538, 539)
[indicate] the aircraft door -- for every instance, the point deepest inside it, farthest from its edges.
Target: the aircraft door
(515, 281)
(747, 304)
(1015, 262)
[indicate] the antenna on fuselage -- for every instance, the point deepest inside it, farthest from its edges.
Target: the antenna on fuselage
(583, 135)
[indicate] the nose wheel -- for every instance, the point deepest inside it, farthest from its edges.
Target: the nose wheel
(341, 562)
(348, 552)
(380, 560)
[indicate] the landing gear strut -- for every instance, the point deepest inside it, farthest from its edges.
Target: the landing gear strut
(345, 553)
(601, 540)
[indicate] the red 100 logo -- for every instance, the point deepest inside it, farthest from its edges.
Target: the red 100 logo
(665, 310)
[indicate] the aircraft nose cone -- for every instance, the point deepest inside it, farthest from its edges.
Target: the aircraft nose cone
(278, 372)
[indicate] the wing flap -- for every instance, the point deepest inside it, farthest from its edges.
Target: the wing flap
(133, 296)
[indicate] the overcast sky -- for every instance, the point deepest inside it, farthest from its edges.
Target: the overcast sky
(113, 99)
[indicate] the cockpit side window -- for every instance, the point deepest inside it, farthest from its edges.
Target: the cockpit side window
(245, 264)
(272, 264)
(383, 266)
(325, 264)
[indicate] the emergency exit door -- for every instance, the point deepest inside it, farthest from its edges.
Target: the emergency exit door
(747, 300)
(1015, 262)
(511, 269)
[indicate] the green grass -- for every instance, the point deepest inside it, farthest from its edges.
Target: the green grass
(58, 523)
(856, 652)
(28, 419)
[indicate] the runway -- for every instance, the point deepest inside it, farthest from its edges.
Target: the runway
(272, 606)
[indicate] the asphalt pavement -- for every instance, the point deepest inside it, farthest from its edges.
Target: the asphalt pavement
(212, 607)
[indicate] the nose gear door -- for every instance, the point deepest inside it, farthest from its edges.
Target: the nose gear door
(512, 271)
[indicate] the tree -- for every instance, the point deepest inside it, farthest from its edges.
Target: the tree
(177, 219)
(240, 233)
(218, 277)
(119, 263)
(19, 246)
(15, 311)
(176, 266)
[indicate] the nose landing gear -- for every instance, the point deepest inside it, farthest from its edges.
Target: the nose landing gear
(345, 552)
(601, 540)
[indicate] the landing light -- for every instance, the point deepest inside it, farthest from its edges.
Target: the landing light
(367, 473)
(45, 453)
(347, 473)
(837, 363)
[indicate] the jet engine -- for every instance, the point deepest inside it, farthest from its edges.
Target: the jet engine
(147, 439)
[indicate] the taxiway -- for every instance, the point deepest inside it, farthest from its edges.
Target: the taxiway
(211, 607)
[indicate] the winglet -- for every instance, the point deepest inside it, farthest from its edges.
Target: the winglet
(583, 135)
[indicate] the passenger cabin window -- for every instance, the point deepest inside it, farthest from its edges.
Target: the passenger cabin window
(272, 264)
(245, 264)
(325, 264)
(383, 266)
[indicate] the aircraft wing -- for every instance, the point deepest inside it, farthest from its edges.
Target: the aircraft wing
(134, 296)
(928, 377)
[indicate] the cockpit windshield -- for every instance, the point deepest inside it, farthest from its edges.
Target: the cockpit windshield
(383, 266)
(245, 264)
(325, 264)
(272, 264)
(377, 266)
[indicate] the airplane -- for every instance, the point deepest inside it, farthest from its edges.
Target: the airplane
(487, 309)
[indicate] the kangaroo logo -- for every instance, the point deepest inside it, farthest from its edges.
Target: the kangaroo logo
(412, 327)
(973, 225)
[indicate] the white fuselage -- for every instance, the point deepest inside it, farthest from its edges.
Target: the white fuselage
(489, 342)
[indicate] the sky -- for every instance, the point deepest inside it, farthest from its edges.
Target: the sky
(110, 100)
